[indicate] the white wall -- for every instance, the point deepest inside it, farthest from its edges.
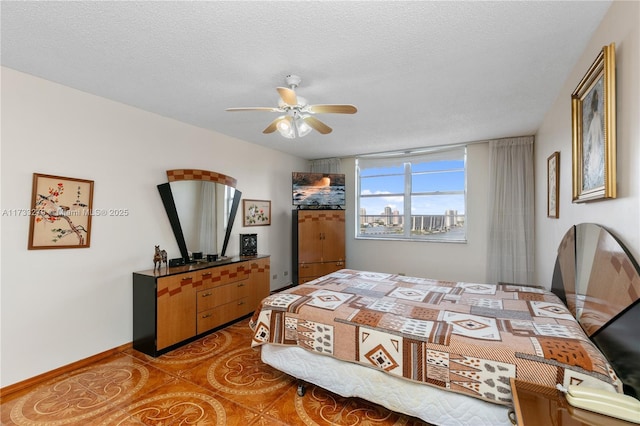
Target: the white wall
(621, 25)
(445, 261)
(60, 306)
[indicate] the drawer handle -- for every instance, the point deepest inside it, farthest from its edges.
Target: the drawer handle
(186, 279)
(207, 294)
(206, 274)
(241, 285)
(206, 316)
(240, 303)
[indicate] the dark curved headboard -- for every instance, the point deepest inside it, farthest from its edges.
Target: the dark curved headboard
(599, 281)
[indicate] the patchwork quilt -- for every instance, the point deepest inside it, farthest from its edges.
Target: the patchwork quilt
(464, 337)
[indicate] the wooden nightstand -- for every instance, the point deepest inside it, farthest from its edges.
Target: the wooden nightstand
(536, 405)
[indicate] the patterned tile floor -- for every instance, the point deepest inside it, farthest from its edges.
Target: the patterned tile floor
(216, 380)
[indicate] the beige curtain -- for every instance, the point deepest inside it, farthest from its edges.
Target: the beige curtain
(327, 165)
(208, 237)
(511, 210)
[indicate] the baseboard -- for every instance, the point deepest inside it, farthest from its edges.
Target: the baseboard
(62, 370)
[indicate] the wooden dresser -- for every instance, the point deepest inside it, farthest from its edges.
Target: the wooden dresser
(179, 304)
(318, 243)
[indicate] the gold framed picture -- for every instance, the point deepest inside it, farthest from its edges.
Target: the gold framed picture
(60, 213)
(593, 125)
(256, 212)
(553, 185)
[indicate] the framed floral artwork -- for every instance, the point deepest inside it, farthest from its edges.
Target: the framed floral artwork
(60, 212)
(553, 182)
(593, 124)
(256, 212)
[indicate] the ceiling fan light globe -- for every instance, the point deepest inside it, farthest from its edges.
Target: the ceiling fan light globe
(302, 127)
(283, 125)
(289, 134)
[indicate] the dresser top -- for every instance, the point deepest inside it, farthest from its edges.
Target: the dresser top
(166, 271)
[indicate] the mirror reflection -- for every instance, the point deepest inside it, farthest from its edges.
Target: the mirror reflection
(203, 209)
(201, 206)
(587, 236)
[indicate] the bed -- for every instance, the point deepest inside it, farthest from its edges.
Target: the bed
(445, 351)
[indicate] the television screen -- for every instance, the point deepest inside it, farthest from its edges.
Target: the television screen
(318, 189)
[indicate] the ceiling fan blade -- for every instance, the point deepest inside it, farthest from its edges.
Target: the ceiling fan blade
(288, 96)
(335, 109)
(318, 125)
(273, 126)
(270, 109)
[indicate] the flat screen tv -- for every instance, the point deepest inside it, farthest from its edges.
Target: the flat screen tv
(318, 190)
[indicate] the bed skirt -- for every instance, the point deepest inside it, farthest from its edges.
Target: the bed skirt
(430, 404)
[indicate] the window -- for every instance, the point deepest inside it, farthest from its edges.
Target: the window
(412, 196)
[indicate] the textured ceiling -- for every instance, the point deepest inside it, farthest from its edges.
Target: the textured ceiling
(421, 73)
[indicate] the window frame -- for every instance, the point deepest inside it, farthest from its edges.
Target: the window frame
(418, 157)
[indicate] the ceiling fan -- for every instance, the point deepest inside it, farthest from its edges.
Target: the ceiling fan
(297, 118)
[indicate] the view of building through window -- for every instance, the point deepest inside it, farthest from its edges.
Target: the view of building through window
(413, 196)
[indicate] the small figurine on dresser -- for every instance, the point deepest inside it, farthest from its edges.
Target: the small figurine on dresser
(159, 257)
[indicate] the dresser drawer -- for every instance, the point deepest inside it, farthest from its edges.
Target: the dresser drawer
(222, 314)
(210, 298)
(220, 276)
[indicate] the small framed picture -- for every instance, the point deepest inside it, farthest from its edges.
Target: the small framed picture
(256, 212)
(61, 209)
(593, 124)
(553, 185)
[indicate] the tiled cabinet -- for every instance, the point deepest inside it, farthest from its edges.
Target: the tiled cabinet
(318, 243)
(176, 305)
